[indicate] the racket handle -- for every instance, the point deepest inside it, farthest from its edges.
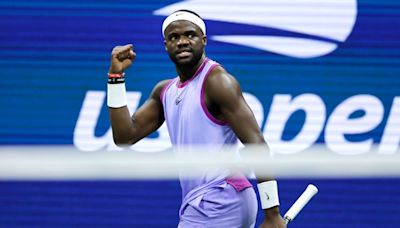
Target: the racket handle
(310, 191)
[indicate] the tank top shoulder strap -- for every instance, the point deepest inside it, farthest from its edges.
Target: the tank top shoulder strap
(166, 87)
(209, 66)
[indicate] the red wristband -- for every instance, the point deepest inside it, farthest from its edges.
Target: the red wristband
(116, 75)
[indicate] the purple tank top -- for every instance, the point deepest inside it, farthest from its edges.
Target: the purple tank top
(190, 123)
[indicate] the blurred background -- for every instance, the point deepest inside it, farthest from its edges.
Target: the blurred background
(314, 72)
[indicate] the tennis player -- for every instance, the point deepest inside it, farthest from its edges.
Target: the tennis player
(202, 105)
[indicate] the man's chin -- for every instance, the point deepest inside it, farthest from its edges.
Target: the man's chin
(184, 62)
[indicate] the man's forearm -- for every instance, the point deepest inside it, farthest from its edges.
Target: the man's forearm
(121, 125)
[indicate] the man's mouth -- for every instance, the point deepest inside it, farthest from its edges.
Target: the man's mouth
(183, 53)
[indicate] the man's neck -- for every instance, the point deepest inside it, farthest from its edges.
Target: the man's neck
(187, 72)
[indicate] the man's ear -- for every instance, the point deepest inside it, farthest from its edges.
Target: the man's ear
(165, 45)
(205, 40)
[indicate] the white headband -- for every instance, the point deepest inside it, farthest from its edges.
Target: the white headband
(186, 16)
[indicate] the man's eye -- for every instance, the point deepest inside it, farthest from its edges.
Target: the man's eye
(173, 37)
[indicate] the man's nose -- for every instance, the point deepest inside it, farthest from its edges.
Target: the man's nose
(183, 40)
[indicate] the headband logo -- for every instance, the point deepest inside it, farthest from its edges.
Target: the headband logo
(183, 15)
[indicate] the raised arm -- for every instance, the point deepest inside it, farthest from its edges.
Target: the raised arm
(225, 101)
(148, 118)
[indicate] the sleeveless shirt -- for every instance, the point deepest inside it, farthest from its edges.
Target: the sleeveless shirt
(190, 123)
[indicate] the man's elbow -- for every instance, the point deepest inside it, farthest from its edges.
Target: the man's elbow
(260, 140)
(122, 141)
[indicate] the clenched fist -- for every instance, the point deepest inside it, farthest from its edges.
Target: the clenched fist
(122, 57)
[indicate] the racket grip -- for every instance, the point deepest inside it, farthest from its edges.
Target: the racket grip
(310, 191)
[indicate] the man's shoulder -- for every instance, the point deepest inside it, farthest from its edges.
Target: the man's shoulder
(219, 75)
(159, 87)
(162, 84)
(221, 86)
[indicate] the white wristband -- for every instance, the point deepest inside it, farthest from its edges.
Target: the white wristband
(116, 95)
(268, 194)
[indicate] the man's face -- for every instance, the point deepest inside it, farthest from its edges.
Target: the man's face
(184, 42)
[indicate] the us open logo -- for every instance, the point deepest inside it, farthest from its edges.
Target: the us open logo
(298, 28)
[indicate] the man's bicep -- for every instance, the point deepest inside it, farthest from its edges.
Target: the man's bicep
(150, 116)
(229, 98)
(241, 119)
